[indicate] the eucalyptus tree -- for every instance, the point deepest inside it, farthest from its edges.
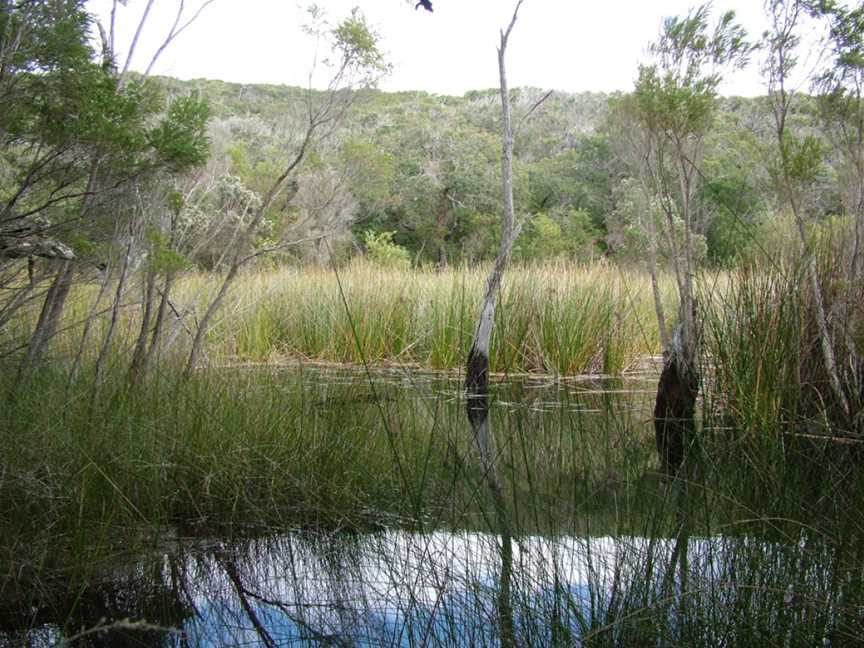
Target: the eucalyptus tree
(675, 102)
(840, 93)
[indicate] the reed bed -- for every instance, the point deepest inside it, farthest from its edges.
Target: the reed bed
(757, 541)
(560, 319)
(262, 448)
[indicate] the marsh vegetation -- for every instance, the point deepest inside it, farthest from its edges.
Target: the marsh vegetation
(519, 368)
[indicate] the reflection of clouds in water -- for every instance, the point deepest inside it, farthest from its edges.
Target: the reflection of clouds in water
(440, 589)
(397, 588)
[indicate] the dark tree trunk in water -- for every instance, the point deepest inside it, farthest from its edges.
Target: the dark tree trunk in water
(674, 409)
(477, 388)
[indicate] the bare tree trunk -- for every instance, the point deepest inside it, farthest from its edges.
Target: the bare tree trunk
(204, 324)
(655, 286)
(18, 300)
(825, 337)
(46, 326)
(102, 360)
(88, 324)
(136, 368)
(159, 325)
(477, 370)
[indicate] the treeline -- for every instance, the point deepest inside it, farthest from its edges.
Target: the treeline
(415, 178)
(109, 180)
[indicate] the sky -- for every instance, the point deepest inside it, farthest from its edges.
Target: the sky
(561, 45)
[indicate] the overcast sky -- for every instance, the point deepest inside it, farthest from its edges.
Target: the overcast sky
(556, 44)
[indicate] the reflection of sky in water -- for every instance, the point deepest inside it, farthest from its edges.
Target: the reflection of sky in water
(441, 589)
(400, 589)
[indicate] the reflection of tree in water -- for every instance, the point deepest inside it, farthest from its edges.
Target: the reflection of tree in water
(136, 608)
(396, 588)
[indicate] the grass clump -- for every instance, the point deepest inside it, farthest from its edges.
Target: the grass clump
(559, 318)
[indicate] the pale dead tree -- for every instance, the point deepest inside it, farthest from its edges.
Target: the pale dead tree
(360, 65)
(182, 21)
(799, 161)
(477, 369)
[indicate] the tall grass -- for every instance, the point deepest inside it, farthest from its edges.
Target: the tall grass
(756, 542)
(261, 448)
(559, 319)
(776, 430)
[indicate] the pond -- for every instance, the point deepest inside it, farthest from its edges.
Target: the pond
(398, 588)
(591, 548)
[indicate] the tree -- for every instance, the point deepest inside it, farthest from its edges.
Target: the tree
(477, 369)
(840, 91)
(358, 63)
(675, 101)
(74, 135)
(799, 160)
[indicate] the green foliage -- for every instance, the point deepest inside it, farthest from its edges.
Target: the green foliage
(358, 45)
(567, 233)
(801, 158)
(180, 140)
(72, 130)
(381, 249)
(371, 171)
(676, 94)
(162, 257)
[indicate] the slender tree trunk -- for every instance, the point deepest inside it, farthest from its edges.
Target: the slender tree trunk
(102, 360)
(18, 300)
(825, 337)
(241, 255)
(441, 227)
(477, 370)
(204, 324)
(159, 325)
(88, 324)
(655, 285)
(136, 368)
(784, 26)
(46, 326)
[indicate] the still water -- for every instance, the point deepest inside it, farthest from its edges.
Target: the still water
(392, 588)
(619, 565)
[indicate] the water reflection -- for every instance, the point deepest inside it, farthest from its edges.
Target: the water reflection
(587, 564)
(439, 589)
